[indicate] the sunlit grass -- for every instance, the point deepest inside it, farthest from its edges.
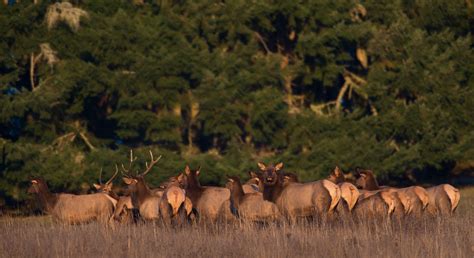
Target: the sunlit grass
(448, 237)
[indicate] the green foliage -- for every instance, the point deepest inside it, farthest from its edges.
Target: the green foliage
(223, 85)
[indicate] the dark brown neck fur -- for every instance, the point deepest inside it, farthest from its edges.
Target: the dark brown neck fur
(193, 189)
(370, 181)
(143, 192)
(113, 195)
(47, 199)
(272, 192)
(236, 194)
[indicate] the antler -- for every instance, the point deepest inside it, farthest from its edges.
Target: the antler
(100, 176)
(112, 178)
(125, 171)
(152, 163)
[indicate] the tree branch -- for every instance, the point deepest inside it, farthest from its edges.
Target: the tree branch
(342, 92)
(32, 71)
(262, 41)
(86, 140)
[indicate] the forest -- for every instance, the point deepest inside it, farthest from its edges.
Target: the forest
(380, 84)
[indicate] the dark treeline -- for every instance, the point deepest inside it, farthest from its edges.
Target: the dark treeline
(386, 85)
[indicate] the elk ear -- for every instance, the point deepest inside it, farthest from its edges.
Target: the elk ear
(261, 166)
(127, 180)
(180, 177)
(279, 166)
(187, 170)
(230, 179)
(34, 181)
(253, 174)
(357, 172)
(337, 171)
(96, 186)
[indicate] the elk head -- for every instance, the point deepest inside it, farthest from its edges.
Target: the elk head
(107, 187)
(336, 176)
(233, 182)
(37, 186)
(189, 178)
(256, 178)
(132, 180)
(366, 179)
(289, 178)
(270, 173)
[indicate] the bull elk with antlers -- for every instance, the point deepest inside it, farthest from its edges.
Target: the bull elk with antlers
(124, 210)
(147, 201)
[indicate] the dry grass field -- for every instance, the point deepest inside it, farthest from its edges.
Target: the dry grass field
(449, 237)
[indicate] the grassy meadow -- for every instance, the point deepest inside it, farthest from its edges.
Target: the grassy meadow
(447, 237)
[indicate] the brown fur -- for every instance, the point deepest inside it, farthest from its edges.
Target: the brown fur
(207, 200)
(174, 181)
(349, 192)
(314, 199)
(172, 205)
(375, 206)
(145, 200)
(71, 208)
(124, 209)
(414, 198)
(250, 206)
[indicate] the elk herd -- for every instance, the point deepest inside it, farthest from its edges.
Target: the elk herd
(270, 195)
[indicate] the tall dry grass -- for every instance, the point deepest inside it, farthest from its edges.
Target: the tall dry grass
(449, 237)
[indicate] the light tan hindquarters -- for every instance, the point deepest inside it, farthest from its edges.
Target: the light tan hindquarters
(453, 194)
(334, 192)
(389, 200)
(350, 194)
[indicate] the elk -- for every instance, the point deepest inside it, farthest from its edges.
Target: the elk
(250, 206)
(147, 201)
(124, 210)
(349, 192)
(176, 181)
(313, 199)
(376, 206)
(188, 205)
(254, 184)
(414, 198)
(174, 205)
(209, 201)
(71, 208)
(351, 196)
(443, 199)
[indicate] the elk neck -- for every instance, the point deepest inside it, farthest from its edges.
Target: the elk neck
(143, 192)
(113, 195)
(236, 194)
(371, 183)
(193, 189)
(47, 199)
(272, 192)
